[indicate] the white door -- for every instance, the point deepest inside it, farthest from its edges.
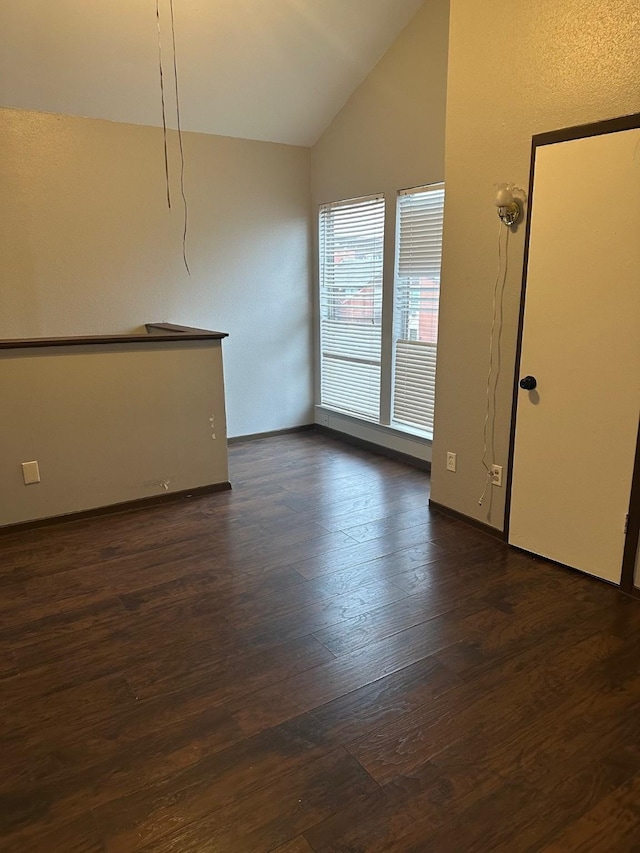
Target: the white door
(576, 432)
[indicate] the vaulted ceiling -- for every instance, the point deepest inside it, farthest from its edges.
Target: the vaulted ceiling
(276, 70)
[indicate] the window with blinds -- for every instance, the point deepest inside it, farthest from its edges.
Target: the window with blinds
(351, 255)
(416, 299)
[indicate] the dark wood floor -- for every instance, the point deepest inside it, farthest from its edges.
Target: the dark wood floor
(312, 662)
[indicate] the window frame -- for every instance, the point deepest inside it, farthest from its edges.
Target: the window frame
(384, 418)
(412, 359)
(350, 345)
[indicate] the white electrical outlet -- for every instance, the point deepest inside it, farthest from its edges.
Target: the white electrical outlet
(496, 475)
(451, 462)
(30, 473)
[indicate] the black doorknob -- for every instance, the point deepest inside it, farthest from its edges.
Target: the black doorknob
(528, 383)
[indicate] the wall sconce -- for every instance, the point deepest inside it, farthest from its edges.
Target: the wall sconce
(509, 207)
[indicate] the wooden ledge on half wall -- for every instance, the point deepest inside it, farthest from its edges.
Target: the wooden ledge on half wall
(155, 332)
(110, 422)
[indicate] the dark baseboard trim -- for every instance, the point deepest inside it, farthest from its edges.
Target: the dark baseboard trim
(363, 444)
(460, 516)
(254, 436)
(114, 509)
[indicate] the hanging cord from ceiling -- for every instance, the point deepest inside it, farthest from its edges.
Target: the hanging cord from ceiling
(179, 126)
(496, 322)
(164, 111)
(184, 197)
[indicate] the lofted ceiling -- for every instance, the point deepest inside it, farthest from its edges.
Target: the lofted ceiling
(276, 70)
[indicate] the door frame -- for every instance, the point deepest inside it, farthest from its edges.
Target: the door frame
(567, 134)
(632, 539)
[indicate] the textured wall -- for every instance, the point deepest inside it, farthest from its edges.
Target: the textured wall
(515, 69)
(390, 133)
(87, 246)
(109, 424)
(390, 136)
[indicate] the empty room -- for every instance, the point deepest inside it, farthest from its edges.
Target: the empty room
(319, 328)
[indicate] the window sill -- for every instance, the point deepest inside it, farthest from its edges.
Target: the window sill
(401, 429)
(400, 440)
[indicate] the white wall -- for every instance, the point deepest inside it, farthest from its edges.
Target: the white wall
(109, 424)
(515, 69)
(87, 246)
(389, 136)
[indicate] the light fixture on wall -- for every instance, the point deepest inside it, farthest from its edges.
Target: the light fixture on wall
(509, 201)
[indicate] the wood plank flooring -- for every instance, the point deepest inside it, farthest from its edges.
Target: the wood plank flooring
(311, 663)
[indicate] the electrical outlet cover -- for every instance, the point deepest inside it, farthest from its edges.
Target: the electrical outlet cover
(30, 473)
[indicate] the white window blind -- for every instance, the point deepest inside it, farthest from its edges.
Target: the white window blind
(416, 299)
(351, 254)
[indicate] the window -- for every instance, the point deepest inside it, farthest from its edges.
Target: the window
(416, 299)
(351, 254)
(357, 363)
